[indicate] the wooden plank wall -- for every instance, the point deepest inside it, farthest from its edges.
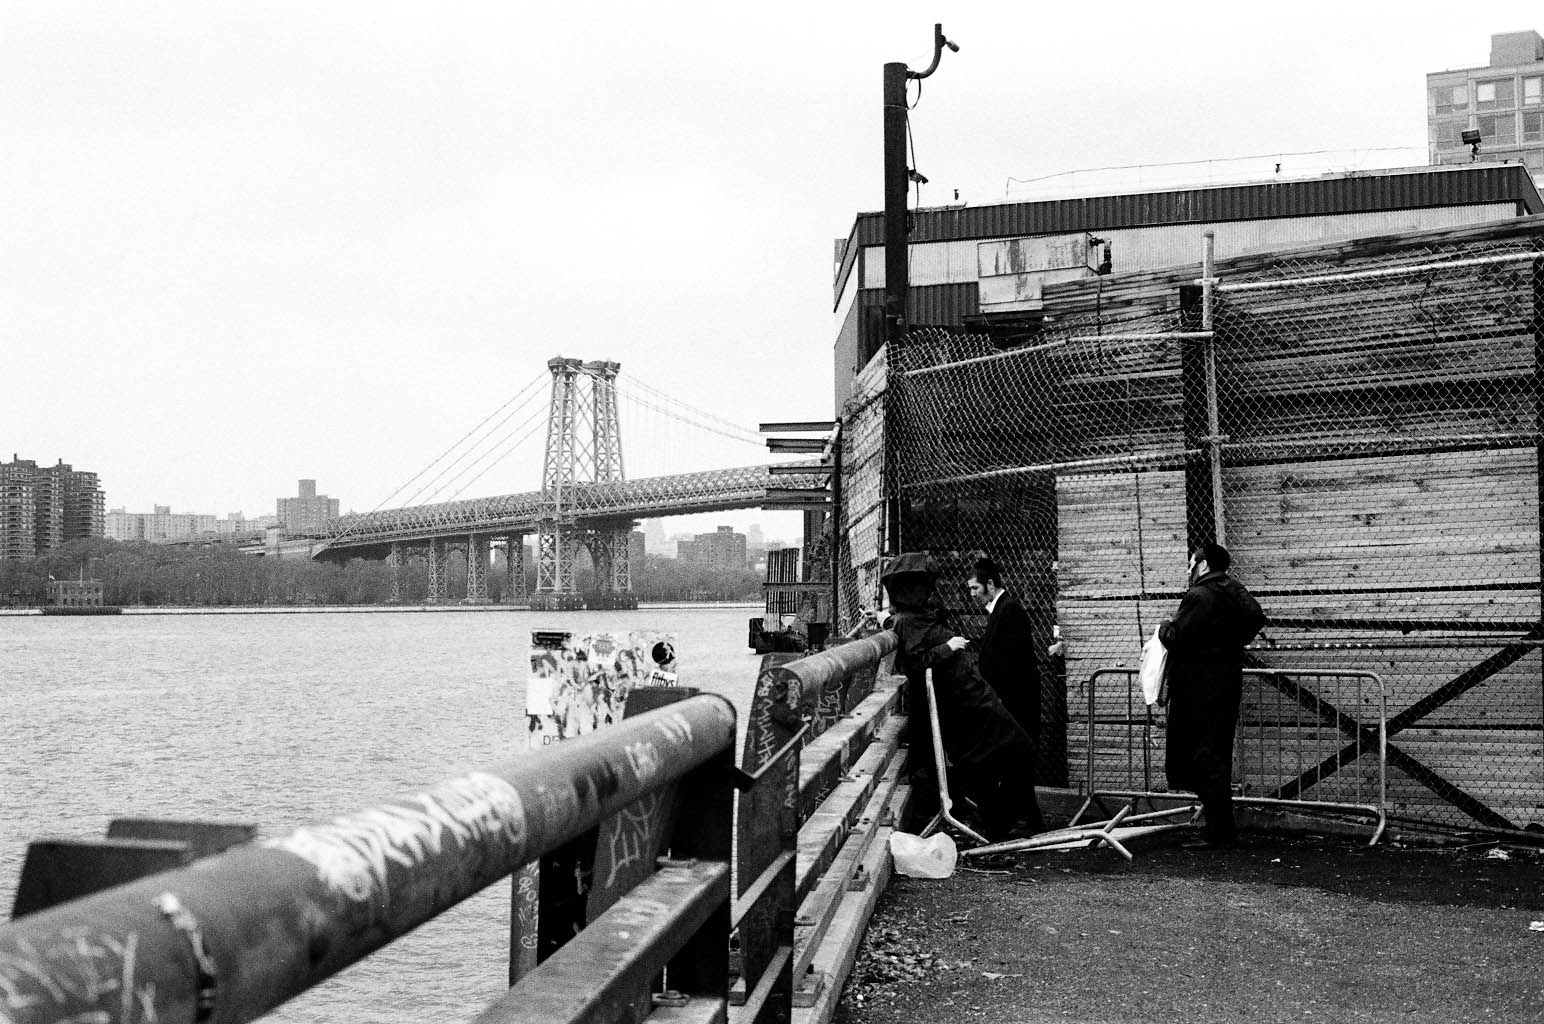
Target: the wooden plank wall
(1306, 544)
(1346, 543)
(1397, 516)
(1118, 574)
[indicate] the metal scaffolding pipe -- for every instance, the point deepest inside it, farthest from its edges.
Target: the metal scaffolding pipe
(230, 937)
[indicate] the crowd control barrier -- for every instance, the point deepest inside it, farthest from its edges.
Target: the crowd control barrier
(1309, 739)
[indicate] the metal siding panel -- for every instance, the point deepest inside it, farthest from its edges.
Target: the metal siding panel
(1472, 186)
(1343, 194)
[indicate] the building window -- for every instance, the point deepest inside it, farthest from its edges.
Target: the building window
(1533, 127)
(1450, 99)
(1493, 95)
(1533, 90)
(1499, 128)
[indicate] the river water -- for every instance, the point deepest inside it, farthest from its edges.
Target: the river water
(284, 720)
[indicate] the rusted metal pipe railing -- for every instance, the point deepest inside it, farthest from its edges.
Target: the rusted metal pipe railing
(230, 937)
(801, 682)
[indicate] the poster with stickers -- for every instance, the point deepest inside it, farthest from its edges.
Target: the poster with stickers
(579, 683)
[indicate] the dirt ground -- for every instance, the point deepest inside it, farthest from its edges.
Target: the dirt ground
(1293, 927)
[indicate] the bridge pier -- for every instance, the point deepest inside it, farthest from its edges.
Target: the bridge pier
(514, 569)
(395, 561)
(557, 544)
(611, 549)
(476, 569)
(438, 576)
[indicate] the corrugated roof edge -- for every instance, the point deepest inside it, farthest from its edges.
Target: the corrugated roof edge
(1356, 192)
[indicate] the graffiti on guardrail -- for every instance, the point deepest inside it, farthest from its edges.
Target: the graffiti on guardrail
(352, 855)
(81, 964)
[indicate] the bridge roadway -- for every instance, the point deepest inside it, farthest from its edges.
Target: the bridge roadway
(371, 534)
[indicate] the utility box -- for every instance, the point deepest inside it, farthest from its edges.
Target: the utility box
(1012, 271)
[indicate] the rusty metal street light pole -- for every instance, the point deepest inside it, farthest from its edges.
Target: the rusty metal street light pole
(897, 272)
(896, 181)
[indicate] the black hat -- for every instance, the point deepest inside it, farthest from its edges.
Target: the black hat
(910, 563)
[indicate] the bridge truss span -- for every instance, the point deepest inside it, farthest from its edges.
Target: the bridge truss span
(584, 501)
(713, 490)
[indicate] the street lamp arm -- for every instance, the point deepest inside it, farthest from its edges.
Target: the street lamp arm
(939, 42)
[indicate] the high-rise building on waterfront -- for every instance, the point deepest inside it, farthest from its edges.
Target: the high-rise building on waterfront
(45, 507)
(1500, 104)
(307, 514)
(722, 549)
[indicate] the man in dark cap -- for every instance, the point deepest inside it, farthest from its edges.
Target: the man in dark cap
(988, 751)
(1216, 619)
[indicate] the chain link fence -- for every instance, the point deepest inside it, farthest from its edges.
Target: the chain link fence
(1359, 424)
(860, 509)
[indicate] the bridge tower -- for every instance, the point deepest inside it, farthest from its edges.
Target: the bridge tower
(584, 446)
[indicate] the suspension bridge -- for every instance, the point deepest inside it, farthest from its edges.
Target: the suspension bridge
(585, 500)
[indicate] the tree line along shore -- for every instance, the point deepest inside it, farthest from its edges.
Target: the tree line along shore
(220, 575)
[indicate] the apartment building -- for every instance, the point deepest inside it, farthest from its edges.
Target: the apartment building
(45, 507)
(1493, 113)
(306, 515)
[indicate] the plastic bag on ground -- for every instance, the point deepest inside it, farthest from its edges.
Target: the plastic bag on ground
(1155, 665)
(915, 857)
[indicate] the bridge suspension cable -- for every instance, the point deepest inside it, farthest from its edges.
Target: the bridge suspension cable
(446, 476)
(668, 405)
(500, 450)
(520, 399)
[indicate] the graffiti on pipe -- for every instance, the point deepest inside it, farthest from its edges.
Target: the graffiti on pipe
(353, 854)
(644, 759)
(78, 966)
(675, 728)
(559, 806)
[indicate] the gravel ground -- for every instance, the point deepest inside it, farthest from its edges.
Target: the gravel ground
(1292, 927)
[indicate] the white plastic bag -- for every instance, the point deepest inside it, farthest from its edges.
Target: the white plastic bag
(915, 857)
(1155, 664)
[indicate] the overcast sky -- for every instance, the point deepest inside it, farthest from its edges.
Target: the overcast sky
(244, 243)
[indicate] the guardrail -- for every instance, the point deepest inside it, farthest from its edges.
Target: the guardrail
(1298, 729)
(233, 931)
(230, 937)
(845, 718)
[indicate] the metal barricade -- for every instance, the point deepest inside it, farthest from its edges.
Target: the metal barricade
(1299, 730)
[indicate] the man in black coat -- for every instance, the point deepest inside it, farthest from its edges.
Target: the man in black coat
(987, 749)
(1216, 619)
(1007, 650)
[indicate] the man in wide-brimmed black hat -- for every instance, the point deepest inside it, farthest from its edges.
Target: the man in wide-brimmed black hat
(988, 751)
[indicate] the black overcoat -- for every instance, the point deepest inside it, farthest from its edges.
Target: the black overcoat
(1009, 663)
(975, 726)
(1206, 641)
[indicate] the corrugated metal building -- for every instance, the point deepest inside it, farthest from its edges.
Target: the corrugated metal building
(1151, 230)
